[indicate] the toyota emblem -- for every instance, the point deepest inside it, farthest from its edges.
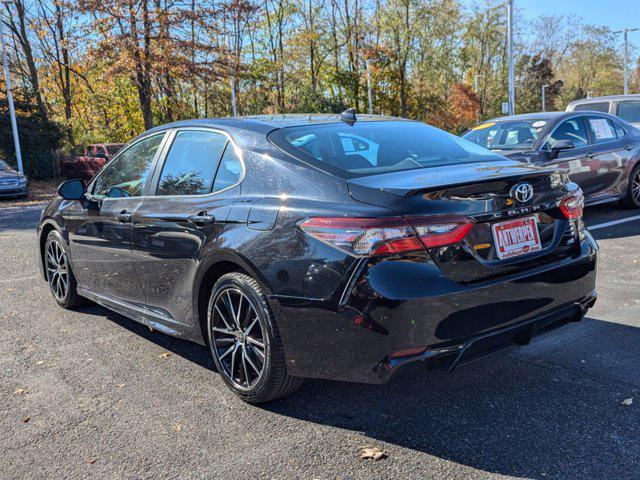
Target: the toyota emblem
(522, 192)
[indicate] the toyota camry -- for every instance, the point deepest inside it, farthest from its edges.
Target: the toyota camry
(324, 246)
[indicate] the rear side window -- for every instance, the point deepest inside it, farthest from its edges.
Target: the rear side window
(603, 129)
(230, 169)
(594, 107)
(369, 148)
(630, 111)
(191, 163)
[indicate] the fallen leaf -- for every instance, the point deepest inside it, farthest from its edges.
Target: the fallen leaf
(39, 362)
(177, 427)
(120, 385)
(627, 401)
(92, 460)
(25, 419)
(165, 354)
(373, 453)
(20, 391)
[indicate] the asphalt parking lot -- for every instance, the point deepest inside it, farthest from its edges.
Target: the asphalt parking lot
(91, 394)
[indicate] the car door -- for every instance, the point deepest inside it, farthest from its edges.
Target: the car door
(194, 188)
(100, 235)
(609, 156)
(577, 160)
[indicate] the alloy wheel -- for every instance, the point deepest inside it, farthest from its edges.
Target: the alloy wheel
(635, 187)
(238, 338)
(57, 270)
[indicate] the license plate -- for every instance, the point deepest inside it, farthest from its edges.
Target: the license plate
(516, 237)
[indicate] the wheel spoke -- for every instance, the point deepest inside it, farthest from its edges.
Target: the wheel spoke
(233, 362)
(224, 331)
(229, 305)
(248, 359)
(231, 349)
(253, 324)
(244, 364)
(258, 353)
(223, 317)
(255, 342)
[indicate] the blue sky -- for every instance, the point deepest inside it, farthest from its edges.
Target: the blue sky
(616, 14)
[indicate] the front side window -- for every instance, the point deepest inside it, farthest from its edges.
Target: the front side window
(603, 129)
(230, 170)
(191, 163)
(127, 174)
(572, 130)
(629, 110)
(369, 148)
(509, 135)
(593, 107)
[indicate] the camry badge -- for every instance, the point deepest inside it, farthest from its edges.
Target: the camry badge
(522, 192)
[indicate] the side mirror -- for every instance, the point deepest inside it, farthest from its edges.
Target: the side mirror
(72, 190)
(559, 146)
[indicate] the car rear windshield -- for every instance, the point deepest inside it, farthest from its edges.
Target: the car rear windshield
(370, 148)
(4, 166)
(515, 135)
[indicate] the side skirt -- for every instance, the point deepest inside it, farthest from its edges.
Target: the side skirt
(151, 319)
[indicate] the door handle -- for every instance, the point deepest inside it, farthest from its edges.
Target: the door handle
(591, 155)
(201, 219)
(124, 217)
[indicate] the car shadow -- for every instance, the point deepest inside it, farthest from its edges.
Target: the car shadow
(548, 410)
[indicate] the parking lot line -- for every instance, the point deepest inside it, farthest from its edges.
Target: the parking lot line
(614, 222)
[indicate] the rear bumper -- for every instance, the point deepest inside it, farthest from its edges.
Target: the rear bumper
(397, 305)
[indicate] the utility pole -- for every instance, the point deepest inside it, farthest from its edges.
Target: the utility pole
(12, 111)
(544, 87)
(512, 95)
(369, 87)
(625, 33)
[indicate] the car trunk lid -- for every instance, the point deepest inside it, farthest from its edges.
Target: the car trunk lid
(483, 192)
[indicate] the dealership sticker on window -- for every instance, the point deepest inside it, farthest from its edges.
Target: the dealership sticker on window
(539, 124)
(482, 126)
(601, 128)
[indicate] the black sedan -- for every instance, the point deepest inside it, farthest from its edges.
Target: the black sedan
(337, 247)
(600, 151)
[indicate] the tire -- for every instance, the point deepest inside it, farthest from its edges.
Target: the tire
(632, 199)
(244, 341)
(57, 269)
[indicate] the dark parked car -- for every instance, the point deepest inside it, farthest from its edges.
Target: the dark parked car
(600, 151)
(12, 183)
(627, 107)
(322, 246)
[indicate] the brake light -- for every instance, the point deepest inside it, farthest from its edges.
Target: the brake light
(379, 236)
(572, 206)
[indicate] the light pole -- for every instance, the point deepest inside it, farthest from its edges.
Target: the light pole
(369, 87)
(512, 94)
(12, 111)
(544, 87)
(625, 32)
(475, 82)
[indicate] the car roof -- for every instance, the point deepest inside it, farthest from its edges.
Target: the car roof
(531, 116)
(631, 96)
(267, 123)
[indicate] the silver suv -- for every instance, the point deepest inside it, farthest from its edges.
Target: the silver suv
(626, 107)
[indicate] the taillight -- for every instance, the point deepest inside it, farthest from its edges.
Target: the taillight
(572, 205)
(379, 236)
(439, 232)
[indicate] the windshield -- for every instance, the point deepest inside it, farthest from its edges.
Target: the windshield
(369, 148)
(516, 135)
(4, 166)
